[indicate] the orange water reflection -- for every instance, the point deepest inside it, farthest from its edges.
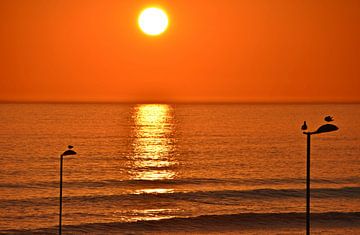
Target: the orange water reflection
(153, 144)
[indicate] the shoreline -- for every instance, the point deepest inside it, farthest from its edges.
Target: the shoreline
(214, 223)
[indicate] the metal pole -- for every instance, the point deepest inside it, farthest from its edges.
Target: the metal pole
(61, 176)
(308, 185)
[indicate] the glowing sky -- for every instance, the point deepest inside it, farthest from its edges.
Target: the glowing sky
(214, 50)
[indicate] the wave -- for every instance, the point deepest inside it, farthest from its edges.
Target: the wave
(185, 181)
(209, 197)
(225, 222)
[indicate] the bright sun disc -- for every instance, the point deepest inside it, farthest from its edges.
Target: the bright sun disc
(153, 21)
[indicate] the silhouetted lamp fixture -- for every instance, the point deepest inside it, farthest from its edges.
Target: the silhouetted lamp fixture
(322, 129)
(66, 153)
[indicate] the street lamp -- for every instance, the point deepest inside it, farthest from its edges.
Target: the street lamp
(322, 129)
(66, 153)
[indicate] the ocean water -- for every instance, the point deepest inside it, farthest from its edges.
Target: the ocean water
(178, 169)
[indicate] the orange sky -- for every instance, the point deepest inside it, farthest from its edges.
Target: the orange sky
(214, 50)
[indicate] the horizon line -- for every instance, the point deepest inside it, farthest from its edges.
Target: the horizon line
(171, 102)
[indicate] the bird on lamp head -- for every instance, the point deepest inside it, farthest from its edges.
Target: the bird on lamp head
(69, 151)
(329, 119)
(304, 126)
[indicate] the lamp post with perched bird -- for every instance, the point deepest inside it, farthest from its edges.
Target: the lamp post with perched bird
(322, 129)
(66, 153)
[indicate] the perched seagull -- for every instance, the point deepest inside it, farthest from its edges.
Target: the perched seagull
(329, 119)
(304, 126)
(70, 146)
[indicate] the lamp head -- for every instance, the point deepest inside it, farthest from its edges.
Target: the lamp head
(323, 129)
(69, 151)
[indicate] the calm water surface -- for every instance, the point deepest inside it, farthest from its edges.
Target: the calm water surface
(173, 168)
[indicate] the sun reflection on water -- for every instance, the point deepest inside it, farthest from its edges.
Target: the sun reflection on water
(154, 191)
(153, 143)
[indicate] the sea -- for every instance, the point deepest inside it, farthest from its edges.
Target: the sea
(178, 168)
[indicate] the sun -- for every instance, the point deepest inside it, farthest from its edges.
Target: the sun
(153, 21)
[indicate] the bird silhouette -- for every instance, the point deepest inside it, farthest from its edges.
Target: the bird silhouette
(329, 119)
(304, 126)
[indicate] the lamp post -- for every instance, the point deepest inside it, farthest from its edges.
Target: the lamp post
(322, 129)
(66, 153)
